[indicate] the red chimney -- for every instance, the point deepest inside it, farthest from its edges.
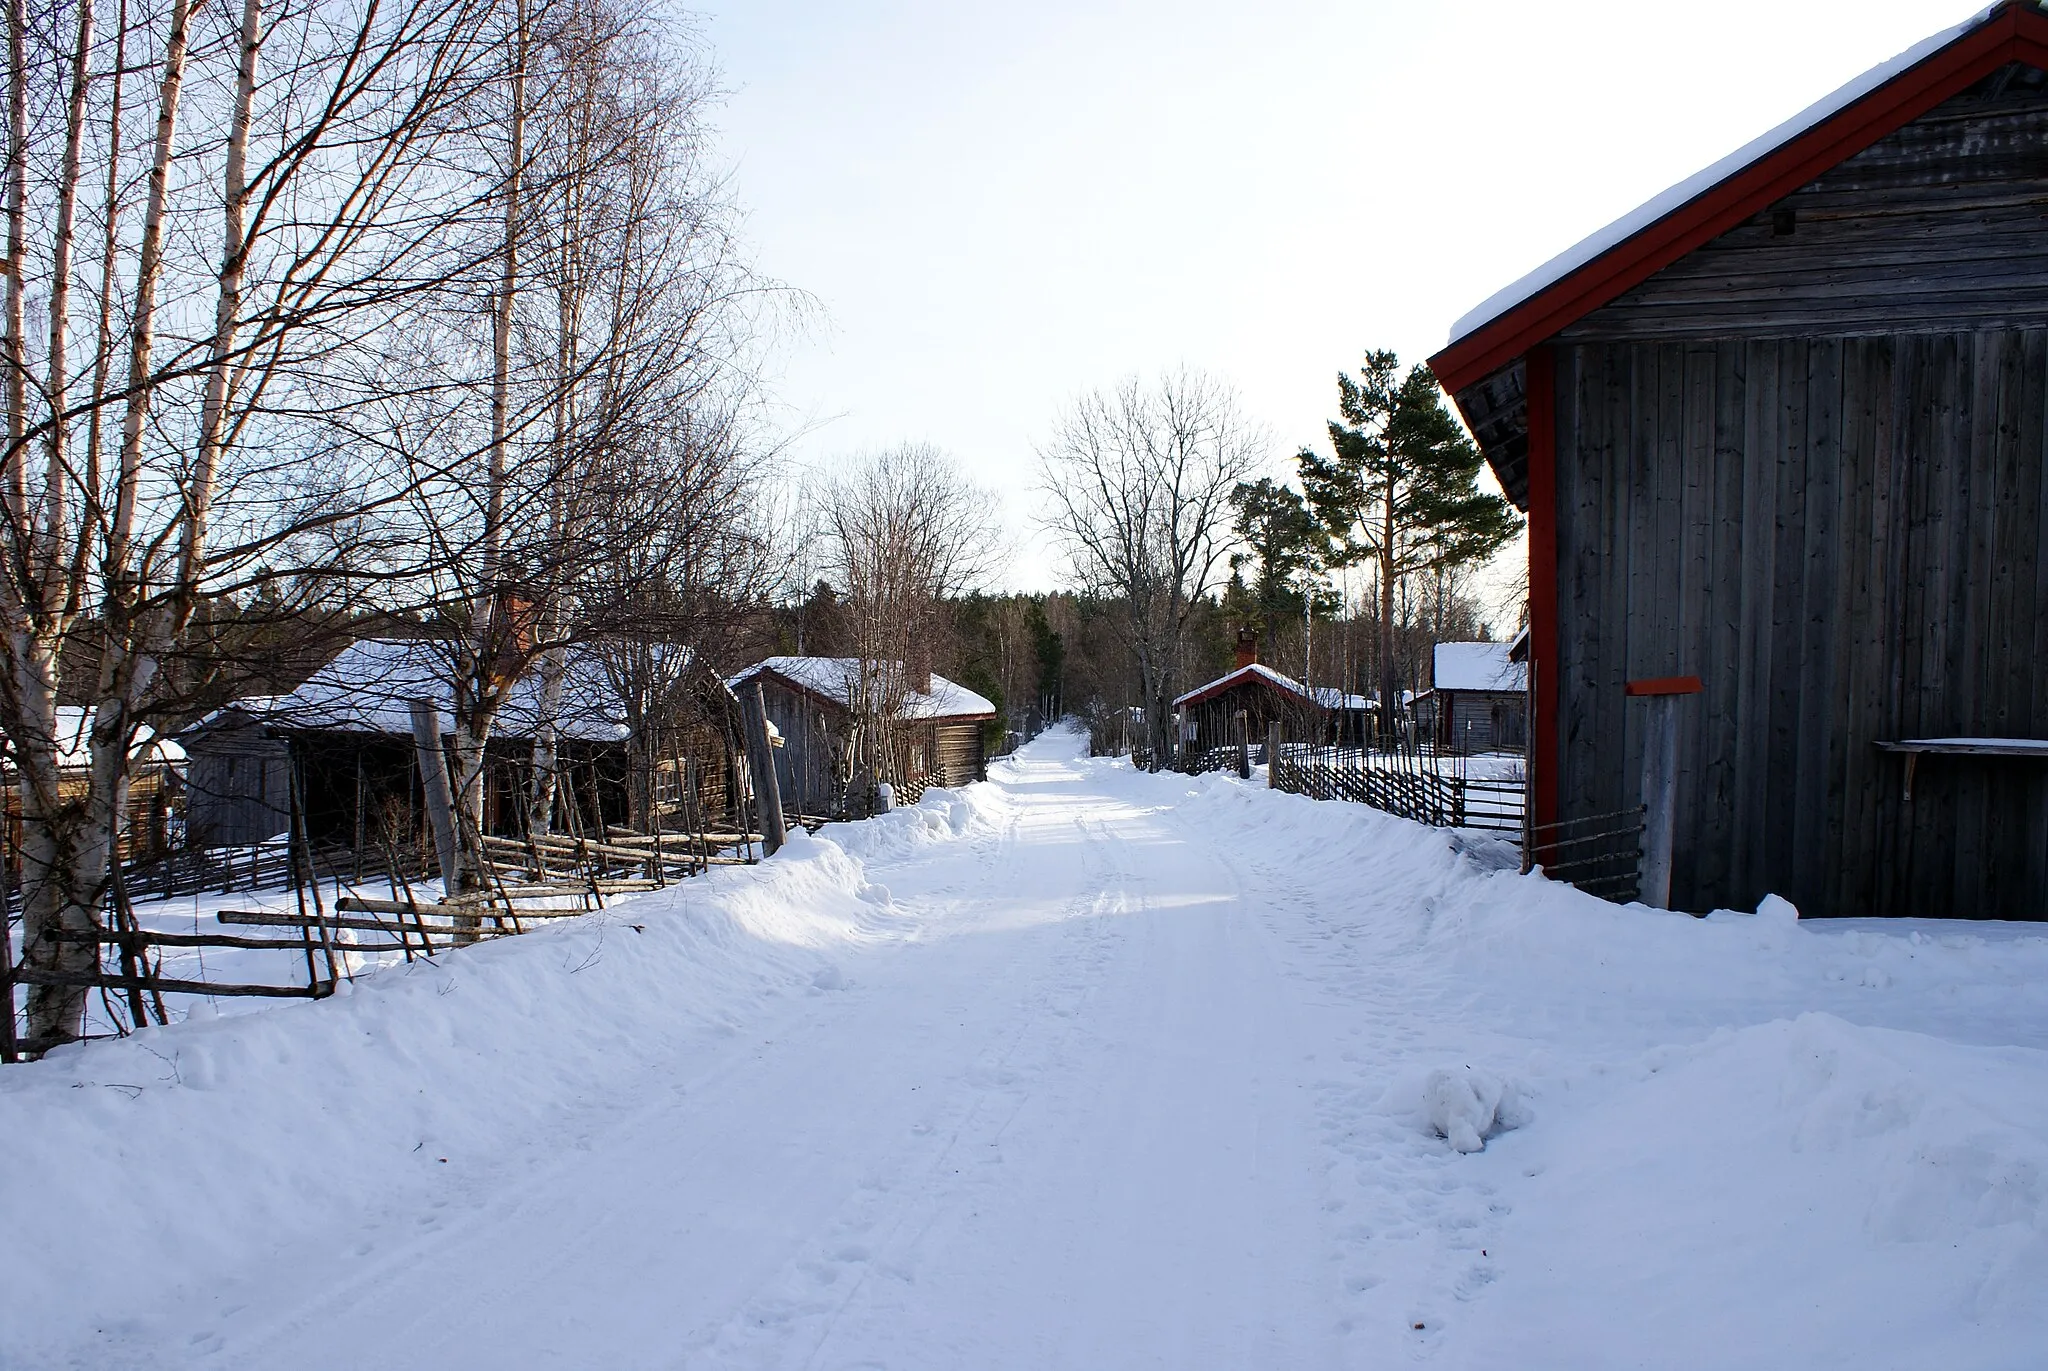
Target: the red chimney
(1247, 647)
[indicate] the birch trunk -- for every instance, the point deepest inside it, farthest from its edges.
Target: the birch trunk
(546, 742)
(480, 689)
(68, 842)
(56, 496)
(226, 315)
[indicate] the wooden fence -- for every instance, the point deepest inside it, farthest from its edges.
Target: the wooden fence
(1601, 854)
(513, 883)
(1416, 784)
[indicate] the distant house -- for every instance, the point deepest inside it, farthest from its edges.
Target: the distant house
(345, 738)
(1478, 698)
(809, 701)
(1780, 436)
(1208, 713)
(156, 766)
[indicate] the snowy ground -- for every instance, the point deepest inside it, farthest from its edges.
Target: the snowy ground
(1079, 1068)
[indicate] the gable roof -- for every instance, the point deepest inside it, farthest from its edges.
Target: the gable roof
(1702, 207)
(1477, 666)
(833, 680)
(73, 736)
(369, 686)
(1258, 673)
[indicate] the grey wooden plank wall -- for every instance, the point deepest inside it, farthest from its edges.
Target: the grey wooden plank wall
(1935, 227)
(1845, 539)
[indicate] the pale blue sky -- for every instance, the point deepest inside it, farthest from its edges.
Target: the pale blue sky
(1000, 206)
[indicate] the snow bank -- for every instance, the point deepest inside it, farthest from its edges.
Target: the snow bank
(174, 1150)
(1797, 1193)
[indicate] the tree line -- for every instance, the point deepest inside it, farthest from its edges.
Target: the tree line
(1174, 538)
(1173, 543)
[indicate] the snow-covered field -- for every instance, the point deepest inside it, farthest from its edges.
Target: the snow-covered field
(1078, 1068)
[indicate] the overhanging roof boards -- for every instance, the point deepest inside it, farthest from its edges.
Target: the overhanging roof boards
(369, 687)
(835, 680)
(1785, 428)
(1265, 696)
(1258, 673)
(1477, 666)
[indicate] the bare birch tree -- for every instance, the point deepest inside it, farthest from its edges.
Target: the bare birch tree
(905, 532)
(1139, 482)
(616, 363)
(290, 207)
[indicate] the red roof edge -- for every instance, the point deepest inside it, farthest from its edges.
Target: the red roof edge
(2019, 34)
(1238, 676)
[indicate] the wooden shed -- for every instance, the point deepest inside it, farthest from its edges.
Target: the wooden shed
(939, 738)
(1310, 714)
(1783, 430)
(345, 737)
(1478, 698)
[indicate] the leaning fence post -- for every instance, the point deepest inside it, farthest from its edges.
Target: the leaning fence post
(1273, 755)
(1660, 783)
(761, 761)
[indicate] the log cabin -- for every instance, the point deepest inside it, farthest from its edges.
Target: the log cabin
(1477, 699)
(1207, 715)
(940, 735)
(1780, 434)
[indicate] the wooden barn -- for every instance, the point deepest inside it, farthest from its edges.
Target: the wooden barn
(1321, 714)
(1782, 431)
(345, 736)
(1477, 700)
(940, 738)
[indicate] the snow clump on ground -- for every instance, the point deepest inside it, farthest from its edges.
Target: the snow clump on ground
(1466, 1106)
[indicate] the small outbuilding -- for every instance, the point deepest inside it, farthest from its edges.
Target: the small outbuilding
(344, 738)
(1782, 436)
(1312, 714)
(1478, 698)
(938, 731)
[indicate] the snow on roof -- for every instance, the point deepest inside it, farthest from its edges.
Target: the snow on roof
(1329, 697)
(1477, 666)
(836, 679)
(74, 740)
(1634, 222)
(369, 688)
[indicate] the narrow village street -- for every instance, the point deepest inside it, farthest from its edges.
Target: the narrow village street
(1091, 1068)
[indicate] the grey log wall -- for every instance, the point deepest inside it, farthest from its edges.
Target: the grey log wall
(1844, 538)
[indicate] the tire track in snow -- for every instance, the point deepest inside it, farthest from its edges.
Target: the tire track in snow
(879, 1230)
(1412, 1222)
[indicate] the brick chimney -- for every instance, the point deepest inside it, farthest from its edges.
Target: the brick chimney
(1247, 647)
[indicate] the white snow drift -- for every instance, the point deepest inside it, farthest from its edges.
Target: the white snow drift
(1080, 1067)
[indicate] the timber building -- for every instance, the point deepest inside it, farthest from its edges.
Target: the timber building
(939, 731)
(1783, 430)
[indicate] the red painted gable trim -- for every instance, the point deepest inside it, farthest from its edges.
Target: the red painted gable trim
(2019, 34)
(1241, 676)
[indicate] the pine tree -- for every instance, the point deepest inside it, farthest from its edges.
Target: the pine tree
(1400, 494)
(1285, 547)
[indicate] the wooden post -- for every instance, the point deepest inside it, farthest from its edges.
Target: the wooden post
(426, 741)
(761, 762)
(1273, 755)
(1660, 784)
(9, 1051)
(1241, 725)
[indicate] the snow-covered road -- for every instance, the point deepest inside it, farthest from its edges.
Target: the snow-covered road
(1080, 1068)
